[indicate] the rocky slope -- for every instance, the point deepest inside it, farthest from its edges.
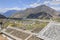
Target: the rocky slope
(41, 11)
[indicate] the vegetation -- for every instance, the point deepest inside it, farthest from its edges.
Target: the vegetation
(56, 19)
(26, 24)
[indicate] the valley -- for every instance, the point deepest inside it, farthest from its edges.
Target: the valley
(39, 23)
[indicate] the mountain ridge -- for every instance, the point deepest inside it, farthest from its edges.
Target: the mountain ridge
(38, 9)
(9, 13)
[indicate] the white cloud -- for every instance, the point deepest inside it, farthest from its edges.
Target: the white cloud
(53, 4)
(56, 8)
(46, 2)
(56, 0)
(35, 4)
(2, 10)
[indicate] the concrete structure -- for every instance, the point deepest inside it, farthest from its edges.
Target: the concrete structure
(50, 32)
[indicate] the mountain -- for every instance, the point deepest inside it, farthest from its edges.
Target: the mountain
(41, 15)
(41, 11)
(2, 16)
(9, 13)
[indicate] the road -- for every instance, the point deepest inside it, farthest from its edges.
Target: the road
(39, 20)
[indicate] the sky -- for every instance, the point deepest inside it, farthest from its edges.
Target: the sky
(6, 5)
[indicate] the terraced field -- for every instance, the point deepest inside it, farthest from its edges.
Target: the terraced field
(31, 27)
(20, 34)
(34, 38)
(17, 33)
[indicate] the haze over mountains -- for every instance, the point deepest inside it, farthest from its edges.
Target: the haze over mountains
(42, 12)
(9, 13)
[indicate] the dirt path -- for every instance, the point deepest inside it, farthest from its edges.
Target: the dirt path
(3, 38)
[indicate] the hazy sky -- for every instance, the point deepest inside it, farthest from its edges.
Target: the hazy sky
(23, 4)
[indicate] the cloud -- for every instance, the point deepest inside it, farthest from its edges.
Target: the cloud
(53, 4)
(16, 8)
(35, 4)
(3, 10)
(46, 2)
(56, 0)
(56, 8)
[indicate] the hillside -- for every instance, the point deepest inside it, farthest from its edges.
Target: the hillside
(41, 11)
(9, 13)
(2, 16)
